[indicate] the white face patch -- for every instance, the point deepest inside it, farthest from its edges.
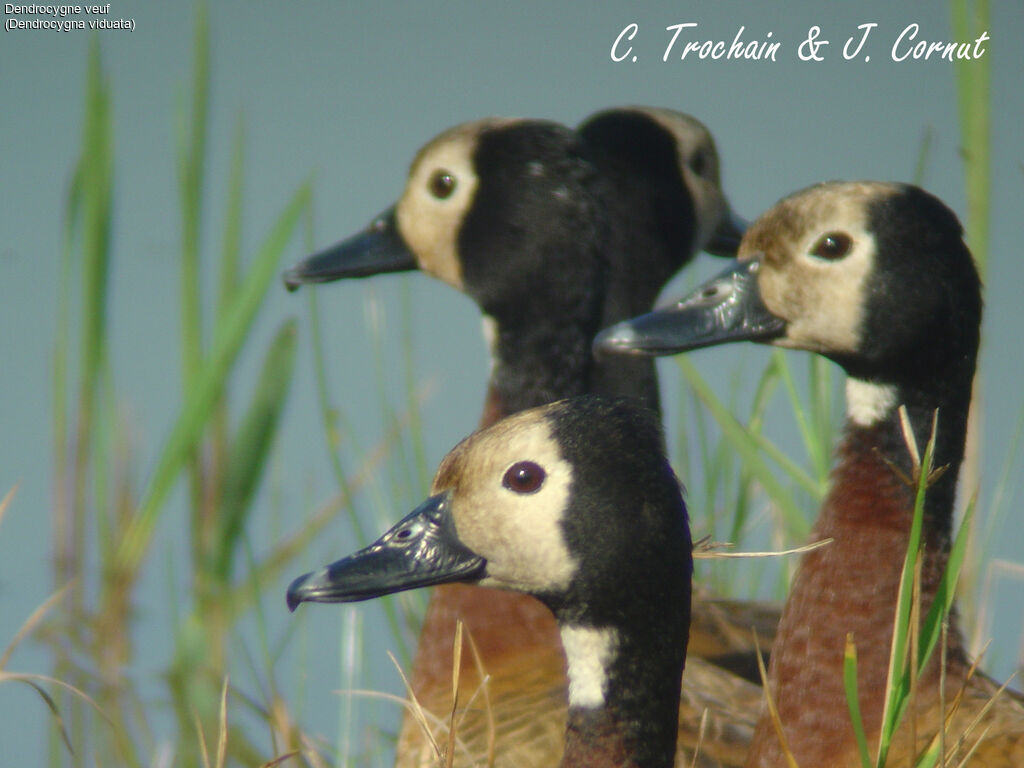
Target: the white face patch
(693, 139)
(588, 651)
(868, 403)
(520, 534)
(822, 300)
(430, 223)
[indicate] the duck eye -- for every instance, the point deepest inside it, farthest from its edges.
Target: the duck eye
(834, 245)
(441, 184)
(699, 162)
(523, 477)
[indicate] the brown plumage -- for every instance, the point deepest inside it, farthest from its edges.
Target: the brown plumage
(876, 277)
(576, 504)
(565, 231)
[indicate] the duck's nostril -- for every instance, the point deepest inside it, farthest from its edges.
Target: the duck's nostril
(710, 293)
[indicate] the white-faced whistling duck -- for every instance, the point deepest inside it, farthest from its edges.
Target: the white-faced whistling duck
(555, 233)
(575, 504)
(877, 278)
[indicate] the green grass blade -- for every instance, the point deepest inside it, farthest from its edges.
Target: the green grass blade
(816, 452)
(825, 409)
(61, 366)
(228, 278)
(853, 700)
(748, 448)
(96, 180)
(331, 419)
(251, 446)
(231, 247)
(815, 488)
(61, 346)
(973, 87)
(200, 399)
(766, 386)
(93, 202)
(96, 177)
(191, 160)
(898, 679)
(931, 629)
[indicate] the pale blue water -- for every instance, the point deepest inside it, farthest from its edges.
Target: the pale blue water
(345, 94)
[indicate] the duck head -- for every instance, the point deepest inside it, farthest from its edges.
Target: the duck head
(873, 275)
(565, 502)
(501, 202)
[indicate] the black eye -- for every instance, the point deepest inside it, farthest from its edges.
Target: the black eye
(441, 184)
(523, 477)
(834, 245)
(699, 162)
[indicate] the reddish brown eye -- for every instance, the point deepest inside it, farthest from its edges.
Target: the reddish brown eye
(523, 477)
(441, 184)
(834, 245)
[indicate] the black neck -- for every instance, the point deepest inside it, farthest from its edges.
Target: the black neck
(628, 296)
(637, 724)
(538, 361)
(542, 358)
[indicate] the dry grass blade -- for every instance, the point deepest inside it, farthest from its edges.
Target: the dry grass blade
(203, 751)
(54, 709)
(411, 706)
(976, 722)
(222, 739)
(280, 759)
(416, 709)
(6, 501)
(908, 438)
(710, 554)
(488, 709)
(970, 753)
(312, 755)
(946, 757)
(456, 669)
(32, 621)
(772, 711)
(700, 737)
(32, 679)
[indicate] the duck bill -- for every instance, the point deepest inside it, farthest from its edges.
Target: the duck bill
(725, 241)
(422, 550)
(727, 308)
(377, 249)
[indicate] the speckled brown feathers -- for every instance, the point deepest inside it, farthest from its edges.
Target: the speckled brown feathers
(716, 716)
(866, 516)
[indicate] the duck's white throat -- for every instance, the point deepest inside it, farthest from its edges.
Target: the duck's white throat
(588, 651)
(868, 403)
